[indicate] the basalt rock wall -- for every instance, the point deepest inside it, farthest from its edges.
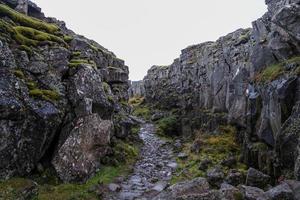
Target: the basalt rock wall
(250, 78)
(60, 96)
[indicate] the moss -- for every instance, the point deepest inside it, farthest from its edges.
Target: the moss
(76, 54)
(111, 99)
(136, 101)
(272, 72)
(31, 85)
(16, 188)
(48, 95)
(238, 196)
(32, 37)
(135, 130)
(19, 74)
(27, 21)
(215, 147)
(26, 48)
(259, 146)
(142, 111)
(106, 87)
(67, 38)
(74, 63)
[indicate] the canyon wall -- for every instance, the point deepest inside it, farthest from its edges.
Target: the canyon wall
(61, 96)
(248, 78)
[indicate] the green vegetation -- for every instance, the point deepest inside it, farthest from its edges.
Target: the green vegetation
(27, 21)
(272, 72)
(167, 125)
(19, 74)
(76, 54)
(214, 147)
(16, 188)
(140, 109)
(26, 48)
(32, 37)
(124, 152)
(48, 95)
(67, 38)
(74, 63)
(106, 87)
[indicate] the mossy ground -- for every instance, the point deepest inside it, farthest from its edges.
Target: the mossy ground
(215, 147)
(140, 109)
(50, 188)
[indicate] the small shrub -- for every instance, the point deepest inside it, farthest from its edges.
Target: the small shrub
(142, 111)
(168, 125)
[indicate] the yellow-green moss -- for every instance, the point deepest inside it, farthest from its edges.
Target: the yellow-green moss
(32, 37)
(67, 38)
(26, 48)
(142, 111)
(19, 74)
(48, 95)
(74, 63)
(136, 101)
(272, 72)
(106, 87)
(76, 54)
(27, 21)
(215, 147)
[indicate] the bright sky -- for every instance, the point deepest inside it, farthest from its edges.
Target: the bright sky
(152, 32)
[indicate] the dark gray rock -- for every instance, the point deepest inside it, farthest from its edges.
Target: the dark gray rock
(282, 191)
(215, 177)
(79, 155)
(235, 177)
(256, 178)
(253, 193)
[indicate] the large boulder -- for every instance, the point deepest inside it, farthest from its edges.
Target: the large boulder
(79, 156)
(256, 178)
(198, 186)
(282, 191)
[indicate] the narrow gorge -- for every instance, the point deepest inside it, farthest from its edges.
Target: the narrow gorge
(222, 122)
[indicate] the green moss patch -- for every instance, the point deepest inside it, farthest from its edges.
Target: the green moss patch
(214, 147)
(273, 72)
(74, 63)
(32, 37)
(27, 21)
(17, 188)
(49, 95)
(19, 73)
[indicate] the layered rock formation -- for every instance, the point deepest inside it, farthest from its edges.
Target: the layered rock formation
(136, 89)
(60, 96)
(250, 78)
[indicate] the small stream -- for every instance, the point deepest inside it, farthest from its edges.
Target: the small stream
(152, 172)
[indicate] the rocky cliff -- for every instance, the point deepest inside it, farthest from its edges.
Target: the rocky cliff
(136, 89)
(62, 96)
(248, 78)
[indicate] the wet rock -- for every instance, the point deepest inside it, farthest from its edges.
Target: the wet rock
(215, 176)
(204, 164)
(256, 178)
(229, 192)
(282, 191)
(295, 186)
(78, 156)
(253, 193)
(180, 190)
(235, 177)
(114, 187)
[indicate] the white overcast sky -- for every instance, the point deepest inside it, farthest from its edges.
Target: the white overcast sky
(152, 32)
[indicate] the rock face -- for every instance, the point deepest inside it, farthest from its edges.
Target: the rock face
(78, 157)
(60, 95)
(136, 88)
(249, 76)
